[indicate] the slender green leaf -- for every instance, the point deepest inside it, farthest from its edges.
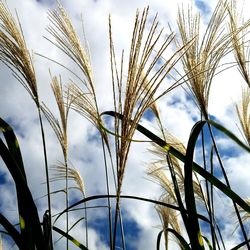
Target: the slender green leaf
(69, 237)
(29, 216)
(13, 144)
(13, 233)
(207, 242)
(76, 222)
(242, 244)
(47, 230)
(177, 191)
(14, 149)
(193, 228)
(96, 197)
(181, 240)
(212, 179)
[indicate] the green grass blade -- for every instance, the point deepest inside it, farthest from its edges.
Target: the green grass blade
(69, 237)
(240, 245)
(208, 243)
(182, 242)
(75, 223)
(193, 228)
(13, 144)
(177, 191)
(96, 197)
(229, 134)
(13, 233)
(212, 179)
(47, 230)
(28, 215)
(14, 149)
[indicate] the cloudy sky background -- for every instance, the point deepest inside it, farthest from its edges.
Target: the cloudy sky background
(177, 109)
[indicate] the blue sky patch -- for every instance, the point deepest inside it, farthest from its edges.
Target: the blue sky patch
(202, 6)
(131, 232)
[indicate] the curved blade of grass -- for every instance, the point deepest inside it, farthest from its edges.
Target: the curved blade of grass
(229, 134)
(198, 169)
(193, 229)
(47, 230)
(240, 245)
(76, 223)
(208, 242)
(13, 233)
(96, 197)
(177, 191)
(13, 144)
(71, 226)
(69, 237)
(182, 241)
(29, 216)
(15, 151)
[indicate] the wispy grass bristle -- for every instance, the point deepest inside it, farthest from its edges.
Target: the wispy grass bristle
(59, 126)
(203, 57)
(67, 40)
(14, 52)
(240, 43)
(242, 109)
(60, 174)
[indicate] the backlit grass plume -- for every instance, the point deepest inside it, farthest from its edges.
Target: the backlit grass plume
(169, 218)
(159, 168)
(200, 62)
(67, 40)
(240, 43)
(242, 109)
(14, 52)
(60, 174)
(145, 74)
(84, 101)
(59, 125)
(60, 128)
(84, 104)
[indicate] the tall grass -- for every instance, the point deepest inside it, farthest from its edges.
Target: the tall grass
(186, 206)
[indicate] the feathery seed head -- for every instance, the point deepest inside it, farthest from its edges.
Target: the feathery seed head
(145, 74)
(14, 53)
(240, 45)
(60, 173)
(242, 109)
(60, 128)
(202, 58)
(68, 41)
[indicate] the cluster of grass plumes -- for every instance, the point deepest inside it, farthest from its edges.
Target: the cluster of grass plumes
(186, 206)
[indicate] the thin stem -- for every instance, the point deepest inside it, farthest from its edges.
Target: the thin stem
(50, 245)
(86, 225)
(228, 184)
(208, 205)
(108, 192)
(67, 201)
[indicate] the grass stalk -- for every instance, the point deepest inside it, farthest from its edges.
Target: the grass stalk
(228, 184)
(50, 245)
(208, 203)
(108, 192)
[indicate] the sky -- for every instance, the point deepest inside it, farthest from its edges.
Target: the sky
(178, 111)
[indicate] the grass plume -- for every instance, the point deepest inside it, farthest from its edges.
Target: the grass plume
(242, 109)
(203, 57)
(14, 52)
